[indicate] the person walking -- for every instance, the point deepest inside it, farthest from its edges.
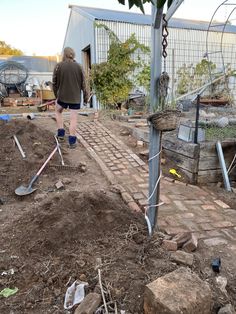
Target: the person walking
(68, 82)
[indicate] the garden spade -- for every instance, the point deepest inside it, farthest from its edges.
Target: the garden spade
(23, 190)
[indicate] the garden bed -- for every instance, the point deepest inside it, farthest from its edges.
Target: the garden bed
(199, 162)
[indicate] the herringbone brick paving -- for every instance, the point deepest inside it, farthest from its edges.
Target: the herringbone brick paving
(185, 208)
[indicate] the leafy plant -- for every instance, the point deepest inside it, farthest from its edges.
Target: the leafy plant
(6, 49)
(143, 76)
(190, 77)
(140, 3)
(111, 80)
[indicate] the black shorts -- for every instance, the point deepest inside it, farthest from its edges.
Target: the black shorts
(67, 105)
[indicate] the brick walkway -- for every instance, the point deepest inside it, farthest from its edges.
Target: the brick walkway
(185, 208)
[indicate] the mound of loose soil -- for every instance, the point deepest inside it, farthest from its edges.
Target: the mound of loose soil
(37, 145)
(47, 245)
(62, 239)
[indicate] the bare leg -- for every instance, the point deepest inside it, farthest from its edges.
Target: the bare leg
(73, 121)
(59, 118)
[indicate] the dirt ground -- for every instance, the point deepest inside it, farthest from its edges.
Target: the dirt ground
(53, 237)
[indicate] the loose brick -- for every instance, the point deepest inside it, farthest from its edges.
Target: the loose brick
(174, 230)
(221, 204)
(89, 304)
(191, 245)
(169, 245)
(181, 257)
(179, 292)
(59, 185)
(182, 238)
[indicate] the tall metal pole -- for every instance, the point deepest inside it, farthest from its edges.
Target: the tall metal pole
(172, 76)
(197, 120)
(154, 134)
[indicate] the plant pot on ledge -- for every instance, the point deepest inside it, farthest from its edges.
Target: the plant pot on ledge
(166, 120)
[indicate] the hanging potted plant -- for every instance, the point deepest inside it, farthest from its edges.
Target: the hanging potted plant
(166, 119)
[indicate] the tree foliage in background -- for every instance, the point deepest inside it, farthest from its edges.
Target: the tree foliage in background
(190, 77)
(140, 3)
(7, 50)
(111, 80)
(143, 78)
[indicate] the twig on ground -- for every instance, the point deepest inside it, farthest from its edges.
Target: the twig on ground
(116, 311)
(102, 306)
(133, 229)
(102, 292)
(68, 282)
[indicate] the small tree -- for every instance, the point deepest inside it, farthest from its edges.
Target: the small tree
(6, 49)
(111, 80)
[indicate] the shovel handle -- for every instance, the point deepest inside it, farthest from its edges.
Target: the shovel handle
(43, 166)
(49, 157)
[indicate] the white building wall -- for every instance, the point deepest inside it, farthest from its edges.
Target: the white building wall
(79, 35)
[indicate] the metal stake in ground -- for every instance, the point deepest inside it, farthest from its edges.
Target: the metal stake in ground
(19, 146)
(59, 151)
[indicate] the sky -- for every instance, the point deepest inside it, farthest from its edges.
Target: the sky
(39, 26)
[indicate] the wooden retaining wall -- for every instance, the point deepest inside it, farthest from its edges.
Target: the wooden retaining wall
(199, 162)
(209, 170)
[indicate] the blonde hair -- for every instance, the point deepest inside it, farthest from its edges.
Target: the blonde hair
(68, 54)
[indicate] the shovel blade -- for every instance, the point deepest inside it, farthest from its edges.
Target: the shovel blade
(22, 190)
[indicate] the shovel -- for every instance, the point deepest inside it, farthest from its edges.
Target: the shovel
(22, 190)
